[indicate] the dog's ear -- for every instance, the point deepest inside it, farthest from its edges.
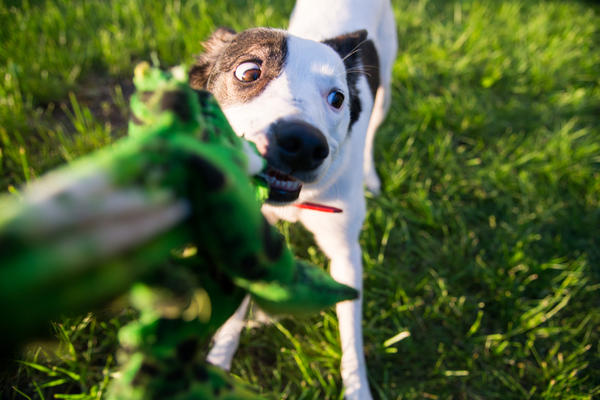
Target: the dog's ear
(348, 44)
(200, 71)
(360, 57)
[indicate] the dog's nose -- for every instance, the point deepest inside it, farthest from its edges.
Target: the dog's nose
(301, 146)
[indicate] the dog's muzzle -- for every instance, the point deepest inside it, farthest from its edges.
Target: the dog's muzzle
(295, 147)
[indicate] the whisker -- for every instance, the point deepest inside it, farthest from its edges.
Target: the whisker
(359, 72)
(355, 50)
(365, 70)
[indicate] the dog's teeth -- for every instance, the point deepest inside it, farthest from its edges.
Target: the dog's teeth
(281, 181)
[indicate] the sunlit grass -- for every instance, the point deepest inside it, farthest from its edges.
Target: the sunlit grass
(482, 276)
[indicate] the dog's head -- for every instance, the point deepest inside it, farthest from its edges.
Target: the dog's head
(297, 99)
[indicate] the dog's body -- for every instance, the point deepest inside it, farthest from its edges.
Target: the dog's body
(311, 99)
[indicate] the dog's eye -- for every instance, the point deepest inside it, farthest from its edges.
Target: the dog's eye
(247, 72)
(335, 98)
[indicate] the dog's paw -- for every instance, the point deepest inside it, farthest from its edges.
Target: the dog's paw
(356, 385)
(373, 183)
(217, 358)
(359, 394)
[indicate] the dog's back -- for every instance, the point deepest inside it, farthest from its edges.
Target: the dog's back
(320, 20)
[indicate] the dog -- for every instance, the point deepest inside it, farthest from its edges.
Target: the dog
(311, 98)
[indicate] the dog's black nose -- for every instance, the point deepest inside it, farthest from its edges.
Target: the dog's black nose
(301, 146)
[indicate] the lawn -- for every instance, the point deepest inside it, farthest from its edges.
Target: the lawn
(482, 255)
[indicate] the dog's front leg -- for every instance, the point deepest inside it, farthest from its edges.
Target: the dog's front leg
(337, 236)
(227, 338)
(349, 313)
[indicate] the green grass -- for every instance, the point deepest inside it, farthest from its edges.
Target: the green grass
(482, 256)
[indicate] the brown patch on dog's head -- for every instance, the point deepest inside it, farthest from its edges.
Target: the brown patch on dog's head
(226, 50)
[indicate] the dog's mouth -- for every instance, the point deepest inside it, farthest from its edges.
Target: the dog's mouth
(283, 188)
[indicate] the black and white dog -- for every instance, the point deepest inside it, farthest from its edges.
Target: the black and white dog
(311, 98)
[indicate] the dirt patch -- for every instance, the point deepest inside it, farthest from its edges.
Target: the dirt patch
(107, 99)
